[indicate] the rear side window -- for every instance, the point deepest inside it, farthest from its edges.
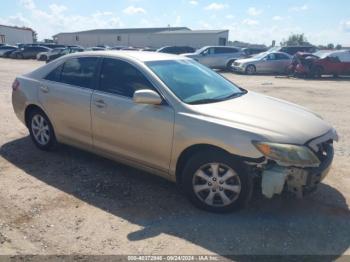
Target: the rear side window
(55, 75)
(223, 50)
(79, 71)
(121, 78)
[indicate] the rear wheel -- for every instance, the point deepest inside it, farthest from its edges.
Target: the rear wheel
(250, 70)
(41, 130)
(216, 182)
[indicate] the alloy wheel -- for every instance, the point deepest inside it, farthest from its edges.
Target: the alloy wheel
(41, 129)
(216, 184)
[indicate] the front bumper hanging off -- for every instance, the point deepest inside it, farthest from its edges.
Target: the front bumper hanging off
(300, 181)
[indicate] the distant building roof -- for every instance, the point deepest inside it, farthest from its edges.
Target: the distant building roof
(193, 32)
(18, 27)
(130, 30)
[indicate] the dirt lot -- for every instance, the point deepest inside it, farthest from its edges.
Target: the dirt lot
(71, 201)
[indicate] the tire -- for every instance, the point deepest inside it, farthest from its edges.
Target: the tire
(38, 123)
(250, 70)
(207, 190)
(229, 65)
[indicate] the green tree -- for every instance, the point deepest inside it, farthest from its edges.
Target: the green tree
(338, 47)
(330, 46)
(295, 40)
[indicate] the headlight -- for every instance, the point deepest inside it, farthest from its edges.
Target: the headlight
(288, 155)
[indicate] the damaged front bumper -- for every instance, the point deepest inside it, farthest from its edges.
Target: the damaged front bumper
(277, 179)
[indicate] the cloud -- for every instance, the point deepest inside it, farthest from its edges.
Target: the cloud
(215, 6)
(299, 8)
(28, 4)
(253, 11)
(230, 16)
(178, 21)
(58, 20)
(193, 2)
(277, 18)
(250, 22)
(15, 20)
(57, 9)
(345, 26)
(132, 10)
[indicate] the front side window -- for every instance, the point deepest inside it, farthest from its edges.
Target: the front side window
(79, 71)
(121, 78)
(271, 57)
(281, 57)
(194, 83)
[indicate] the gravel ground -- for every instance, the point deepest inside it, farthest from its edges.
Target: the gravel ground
(73, 202)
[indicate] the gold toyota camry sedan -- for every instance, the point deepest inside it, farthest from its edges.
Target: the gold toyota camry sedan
(176, 118)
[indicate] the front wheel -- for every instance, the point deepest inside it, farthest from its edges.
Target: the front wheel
(216, 182)
(250, 70)
(41, 130)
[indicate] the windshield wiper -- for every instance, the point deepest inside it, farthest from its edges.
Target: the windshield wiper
(217, 99)
(234, 95)
(205, 101)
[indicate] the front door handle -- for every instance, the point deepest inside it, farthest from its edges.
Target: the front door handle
(100, 103)
(44, 89)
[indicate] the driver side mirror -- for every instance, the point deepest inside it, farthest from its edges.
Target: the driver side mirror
(147, 96)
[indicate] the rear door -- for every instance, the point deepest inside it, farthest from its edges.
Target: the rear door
(66, 95)
(224, 54)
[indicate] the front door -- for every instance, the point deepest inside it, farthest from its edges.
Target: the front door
(137, 132)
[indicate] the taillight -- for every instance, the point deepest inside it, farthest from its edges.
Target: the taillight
(15, 85)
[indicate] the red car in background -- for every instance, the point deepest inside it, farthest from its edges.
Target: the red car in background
(322, 63)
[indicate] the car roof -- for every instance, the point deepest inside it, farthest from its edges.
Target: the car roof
(142, 56)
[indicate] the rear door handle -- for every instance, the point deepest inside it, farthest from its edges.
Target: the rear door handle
(44, 89)
(100, 103)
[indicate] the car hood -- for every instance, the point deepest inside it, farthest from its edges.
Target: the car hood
(273, 119)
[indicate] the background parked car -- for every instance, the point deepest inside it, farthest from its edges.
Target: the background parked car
(8, 53)
(292, 50)
(149, 49)
(220, 57)
(333, 63)
(5, 48)
(275, 62)
(56, 53)
(95, 48)
(176, 50)
(250, 51)
(29, 52)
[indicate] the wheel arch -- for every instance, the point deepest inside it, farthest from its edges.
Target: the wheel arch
(29, 109)
(193, 149)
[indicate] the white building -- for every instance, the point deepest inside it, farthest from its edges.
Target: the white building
(12, 35)
(144, 37)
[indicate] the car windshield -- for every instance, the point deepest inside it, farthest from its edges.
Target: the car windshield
(193, 83)
(198, 51)
(260, 56)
